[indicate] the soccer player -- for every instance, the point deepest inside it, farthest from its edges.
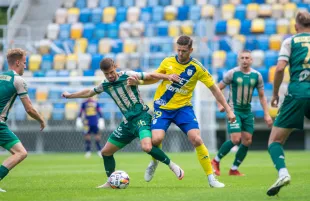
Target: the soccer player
(242, 81)
(137, 122)
(172, 103)
(11, 86)
(294, 51)
(92, 120)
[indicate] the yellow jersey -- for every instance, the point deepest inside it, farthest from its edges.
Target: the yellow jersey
(172, 96)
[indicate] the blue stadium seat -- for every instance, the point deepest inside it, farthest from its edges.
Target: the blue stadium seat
(88, 31)
(149, 29)
(117, 47)
(152, 3)
(270, 26)
(268, 87)
(6, 65)
(58, 111)
(38, 74)
(194, 12)
(245, 28)
(200, 28)
(70, 43)
(58, 43)
(262, 42)
(51, 73)
(47, 62)
(146, 14)
(250, 43)
(110, 55)
(240, 12)
(259, 1)
(80, 4)
(162, 28)
(95, 62)
(117, 3)
(183, 13)
(89, 72)
(164, 2)
(32, 93)
(121, 14)
(296, 1)
(264, 71)
(100, 31)
(224, 44)
(54, 94)
(85, 14)
(167, 45)
(112, 30)
(220, 73)
(220, 27)
(19, 112)
(128, 3)
(215, 2)
(246, 2)
(271, 58)
(158, 13)
(303, 5)
(92, 47)
(189, 2)
(64, 31)
(231, 60)
(104, 3)
(96, 15)
(220, 115)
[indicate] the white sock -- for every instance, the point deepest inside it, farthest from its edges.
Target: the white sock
(217, 159)
(211, 177)
(234, 167)
(283, 172)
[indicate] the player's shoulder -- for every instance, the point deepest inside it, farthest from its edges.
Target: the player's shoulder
(234, 70)
(169, 58)
(254, 71)
(198, 64)
(18, 78)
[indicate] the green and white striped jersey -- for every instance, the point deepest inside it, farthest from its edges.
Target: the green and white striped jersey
(296, 51)
(241, 87)
(11, 86)
(127, 98)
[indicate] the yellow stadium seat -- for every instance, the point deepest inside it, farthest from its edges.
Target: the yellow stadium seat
(271, 1)
(80, 45)
(105, 45)
(41, 94)
(187, 28)
(252, 11)
(258, 25)
(170, 13)
(109, 14)
(73, 15)
(228, 11)
(275, 42)
(272, 70)
(59, 61)
(218, 59)
(34, 62)
(289, 10)
(207, 11)
(76, 30)
(273, 111)
(71, 110)
(292, 26)
(130, 46)
(265, 10)
(233, 27)
(286, 78)
(44, 46)
(282, 26)
(174, 29)
(71, 62)
(277, 11)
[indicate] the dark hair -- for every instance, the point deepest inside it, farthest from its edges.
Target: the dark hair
(106, 64)
(185, 40)
(303, 18)
(15, 54)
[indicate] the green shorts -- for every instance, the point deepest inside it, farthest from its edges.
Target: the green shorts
(126, 132)
(244, 122)
(7, 138)
(292, 112)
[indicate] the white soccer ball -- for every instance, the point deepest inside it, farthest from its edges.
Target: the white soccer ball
(119, 179)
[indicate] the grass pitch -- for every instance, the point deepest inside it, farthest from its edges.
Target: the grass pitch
(66, 177)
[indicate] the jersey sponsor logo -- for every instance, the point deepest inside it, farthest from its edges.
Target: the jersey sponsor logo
(118, 132)
(176, 90)
(304, 75)
(189, 72)
(5, 78)
(160, 102)
(170, 67)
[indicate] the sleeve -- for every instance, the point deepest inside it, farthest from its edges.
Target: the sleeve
(285, 51)
(140, 75)
(205, 77)
(162, 67)
(228, 77)
(99, 110)
(82, 109)
(98, 89)
(21, 87)
(260, 84)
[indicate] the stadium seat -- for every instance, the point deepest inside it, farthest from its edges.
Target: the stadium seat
(59, 61)
(51, 73)
(52, 31)
(109, 14)
(71, 61)
(220, 27)
(92, 3)
(71, 110)
(250, 43)
(292, 26)
(289, 10)
(262, 42)
(146, 14)
(41, 94)
(133, 14)
(100, 31)
(69, 3)
(282, 26)
(129, 3)
(157, 13)
(112, 30)
(252, 11)
(35, 62)
(61, 16)
(125, 30)
(187, 27)
(271, 58)
(200, 28)
(58, 111)
(277, 11)
(183, 12)
(218, 59)
(104, 3)
(215, 2)
(245, 28)
(238, 42)
(162, 28)
(85, 15)
(47, 62)
(141, 3)
(73, 15)
(265, 10)
(150, 30)
(121, 14)
(46, 110)
(80, 45)
(76, 30)
(137, 29)
(170, 13)
(231, 60)
(189, 2)
(117, 46)
(258, 58)
(235, 2)
(95, 62)
(44, 46)
(19, 112)
(228, 11)
(152, 3)
(275, 42)
(88, 31)
(121, 60)
(130, 46)
(64, 31)
(96, 15)
(258, 26)
(194, 13)
(92, 47)
(224, 44)
(80, 4)
(174, 29)
(134, 63)
(201, 2)
(264, 72)
(177, 3)
(240, 12)
(271, 1)
(207, 11)
(270, 26)
(105, 45)
(233, 27)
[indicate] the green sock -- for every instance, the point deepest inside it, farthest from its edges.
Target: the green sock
(3, 172)
(109, 164)
(158, 154)
(225, 149)
(241, 154)
(276, 152)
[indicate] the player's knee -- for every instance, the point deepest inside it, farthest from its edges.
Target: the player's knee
(22, 155)
(156, 141)
(235, 140)
(247, 142)
(147, 147)
(196, 141)
(105, 153)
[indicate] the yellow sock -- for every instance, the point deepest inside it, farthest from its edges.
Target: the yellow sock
(204, 159)
(159, 146)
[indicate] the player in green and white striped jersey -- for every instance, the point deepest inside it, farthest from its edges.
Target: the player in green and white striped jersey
(11, 86)
(136, 121)
(242, 81)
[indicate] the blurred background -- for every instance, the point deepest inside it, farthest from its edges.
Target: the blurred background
(66, 39)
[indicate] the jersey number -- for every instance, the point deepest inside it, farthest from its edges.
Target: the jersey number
(306, 61)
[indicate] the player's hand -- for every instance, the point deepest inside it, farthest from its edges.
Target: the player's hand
(231, 117)
(132, 80)
(274, 101)
(220, 107)
(42, 125)
(65, 94)
(268, 120)
(174, 78)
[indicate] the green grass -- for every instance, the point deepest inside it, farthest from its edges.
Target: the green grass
(64, 177)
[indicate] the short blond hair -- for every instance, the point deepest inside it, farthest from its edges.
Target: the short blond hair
(15, 54)
(303, 19)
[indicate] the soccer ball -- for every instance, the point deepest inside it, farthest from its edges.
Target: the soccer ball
(119, 179)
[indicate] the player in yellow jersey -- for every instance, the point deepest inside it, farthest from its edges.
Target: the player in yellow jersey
(172, 103)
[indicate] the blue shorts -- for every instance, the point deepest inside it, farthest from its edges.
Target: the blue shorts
(184, 118)
(91, 130)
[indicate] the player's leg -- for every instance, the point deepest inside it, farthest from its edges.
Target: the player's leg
(95, 130)
(87, 141)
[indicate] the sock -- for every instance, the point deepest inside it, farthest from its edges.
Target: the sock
(204, 159)
(225, 149)
(276, 152)
(109, 164)
(217, 159)
(240, 155)
(160, 146)
(3, 172)
(158, 154)
(87, 145)
(283, 172)
(98, 145)
(234, 167)
(211, 177)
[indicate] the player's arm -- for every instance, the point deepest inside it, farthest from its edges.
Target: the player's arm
(86, 93)
(263, 102)
(221, 86)
(32, 111)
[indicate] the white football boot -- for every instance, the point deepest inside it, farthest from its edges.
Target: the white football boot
(281, 181)
(150, 170)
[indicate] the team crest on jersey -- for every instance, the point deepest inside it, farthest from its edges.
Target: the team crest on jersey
(239, 80)
(154, 121)
(189, 72)
(253, 82)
